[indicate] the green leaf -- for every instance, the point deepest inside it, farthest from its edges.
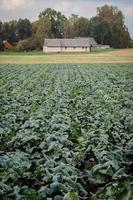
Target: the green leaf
(58, 197)
(71, 196)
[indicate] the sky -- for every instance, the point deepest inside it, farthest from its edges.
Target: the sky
(15, 9)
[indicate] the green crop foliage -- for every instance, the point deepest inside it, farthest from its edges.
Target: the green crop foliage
(66, 132)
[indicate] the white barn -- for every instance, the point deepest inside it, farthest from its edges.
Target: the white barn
(69, 45)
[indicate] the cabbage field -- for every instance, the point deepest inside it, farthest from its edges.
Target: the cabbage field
(66, 132)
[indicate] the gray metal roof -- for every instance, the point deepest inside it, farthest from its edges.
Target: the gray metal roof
(76, 42)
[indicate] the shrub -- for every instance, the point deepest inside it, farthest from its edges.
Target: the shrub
(29, 44)
(1, 45)
(131, 44)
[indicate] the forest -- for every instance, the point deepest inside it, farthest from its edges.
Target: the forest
(107, 27)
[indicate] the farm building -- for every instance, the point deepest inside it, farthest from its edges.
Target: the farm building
(7, 45)
(69, 45)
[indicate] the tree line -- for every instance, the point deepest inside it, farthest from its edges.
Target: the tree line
(107, 27)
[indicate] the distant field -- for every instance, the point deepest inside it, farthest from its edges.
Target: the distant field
(104, 56)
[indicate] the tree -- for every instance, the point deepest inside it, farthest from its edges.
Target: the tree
(1, 36)
(68, 24)
(41, 29)
(8, 31)
(1, 31)
(67, 29)
(81, 27)
(130, 44)
(1, 44)
(100, 29)
(12, 37)
(72, 21)
(76, 26)
(119, 33)
(23, 29)
(57, 21)
(5, 31)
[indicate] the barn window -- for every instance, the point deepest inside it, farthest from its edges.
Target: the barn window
(82, 47)
(74, 47)
(65, 47)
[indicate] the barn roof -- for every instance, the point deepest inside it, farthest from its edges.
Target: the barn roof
(76, 42)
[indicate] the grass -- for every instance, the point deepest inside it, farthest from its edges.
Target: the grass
(99, 56)
(103, 50)
(16, 53)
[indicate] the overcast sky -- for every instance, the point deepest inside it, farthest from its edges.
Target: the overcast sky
(15, 9)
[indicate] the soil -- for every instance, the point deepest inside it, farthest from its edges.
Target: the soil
(123, 52)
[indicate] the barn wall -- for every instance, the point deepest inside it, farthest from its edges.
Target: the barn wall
(44, 49)
(51, 49)
(63, 49)
(77, 49)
